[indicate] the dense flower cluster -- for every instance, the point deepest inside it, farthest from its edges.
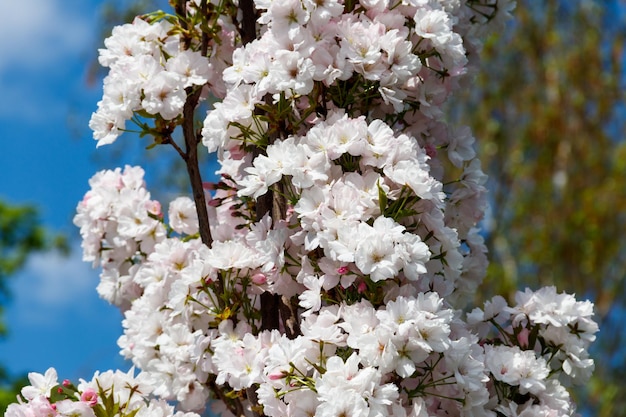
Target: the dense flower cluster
(324, 274)
(151, 71)
(107, 394)
(120, 224)
(536, 348)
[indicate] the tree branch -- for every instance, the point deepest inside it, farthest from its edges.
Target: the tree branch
(191, 161)
(289, 314)
(248, 21)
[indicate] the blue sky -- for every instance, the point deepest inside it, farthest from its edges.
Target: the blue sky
(47, 156)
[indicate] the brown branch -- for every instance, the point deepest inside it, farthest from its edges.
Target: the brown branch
(248, 21)
(270, 318)
(254, 400)
(168, 140)
(190, 156)
(287, 308)
(234, 406)
(181, 10)
(192, 139)
(273, 307)
(289, 314)
(204, 46)
(191, 161)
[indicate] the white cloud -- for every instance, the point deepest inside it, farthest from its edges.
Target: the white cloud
(40, 32)
(40, 43)
(51, 283)
(56, 319)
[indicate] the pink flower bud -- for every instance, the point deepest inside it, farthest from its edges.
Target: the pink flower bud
(276, 376)
(89, 396)
(342, 270)
(67, 383)
(522, 337)
(154, 208)
(214, 202)
(259, 278)
(237, 152)
(362, 286)
(430, 150)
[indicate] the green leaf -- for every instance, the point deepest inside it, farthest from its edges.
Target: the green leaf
(382, 198)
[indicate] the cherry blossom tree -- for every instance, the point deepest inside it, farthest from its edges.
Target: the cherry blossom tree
(327, 272)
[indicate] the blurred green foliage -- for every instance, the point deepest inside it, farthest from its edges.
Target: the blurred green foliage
(10, 388)
(548, 110)
(21, 234)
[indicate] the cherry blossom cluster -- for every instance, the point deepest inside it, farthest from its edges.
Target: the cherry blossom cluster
(358, 360)
(325, 272)
(555, 326)
(152, 69)
(120, 225)
(333, 75)
(107, 394)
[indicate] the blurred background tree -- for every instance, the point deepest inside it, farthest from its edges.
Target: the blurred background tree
(548, 111)
(21, 234)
